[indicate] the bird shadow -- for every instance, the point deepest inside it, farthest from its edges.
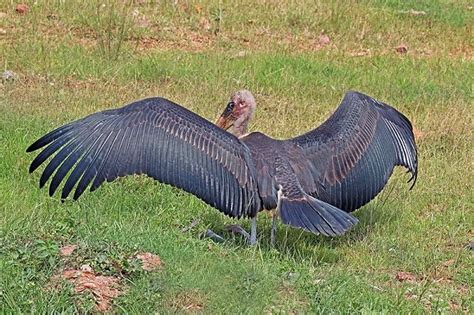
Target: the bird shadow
(296, 244)
(304, 245)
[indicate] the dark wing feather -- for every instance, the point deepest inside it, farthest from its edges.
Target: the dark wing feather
(354, 152)
(154, 137)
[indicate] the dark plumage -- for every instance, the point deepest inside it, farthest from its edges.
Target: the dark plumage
(313, 180)
(355, 151)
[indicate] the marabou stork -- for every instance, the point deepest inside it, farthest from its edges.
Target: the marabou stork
(313, 180)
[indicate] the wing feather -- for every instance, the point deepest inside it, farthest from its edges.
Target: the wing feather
(154, 137)
(356, 149)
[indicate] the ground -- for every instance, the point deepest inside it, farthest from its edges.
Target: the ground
(410, 252)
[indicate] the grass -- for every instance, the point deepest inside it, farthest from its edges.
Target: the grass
(78, 57)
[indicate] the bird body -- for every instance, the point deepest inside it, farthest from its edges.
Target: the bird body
(313, 180)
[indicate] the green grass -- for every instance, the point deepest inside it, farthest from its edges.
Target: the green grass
(66, 71)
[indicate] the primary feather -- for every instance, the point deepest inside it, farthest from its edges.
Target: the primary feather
(157, 138)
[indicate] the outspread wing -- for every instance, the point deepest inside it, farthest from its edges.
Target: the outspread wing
(158, 138)
(355, 151)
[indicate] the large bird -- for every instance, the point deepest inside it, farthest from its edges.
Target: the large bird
(313, 181)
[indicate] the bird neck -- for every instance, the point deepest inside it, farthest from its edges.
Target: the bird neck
(240, 128)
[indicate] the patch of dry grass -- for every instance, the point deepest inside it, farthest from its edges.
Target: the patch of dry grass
(356, 29)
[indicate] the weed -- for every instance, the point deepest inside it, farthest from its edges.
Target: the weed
(113, 24)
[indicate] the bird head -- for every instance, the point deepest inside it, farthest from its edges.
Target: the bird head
(237, 113)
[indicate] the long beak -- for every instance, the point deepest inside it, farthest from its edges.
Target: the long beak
(226, 120)
(222, 123)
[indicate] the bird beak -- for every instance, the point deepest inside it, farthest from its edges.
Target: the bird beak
(223, 123)
(226, 120)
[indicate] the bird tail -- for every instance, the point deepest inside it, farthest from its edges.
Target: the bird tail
(315, 216)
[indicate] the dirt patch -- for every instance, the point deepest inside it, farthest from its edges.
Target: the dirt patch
(401, 49)
(149, 261)
(404, 276)
(103, 288)
(22, 8)
(67, 250)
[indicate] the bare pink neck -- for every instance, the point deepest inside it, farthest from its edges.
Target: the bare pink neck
(240, 129)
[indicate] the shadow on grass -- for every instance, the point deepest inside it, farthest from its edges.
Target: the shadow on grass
(296, 244)
(174, 213)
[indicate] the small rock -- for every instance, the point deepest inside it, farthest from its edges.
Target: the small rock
(9, 76)
(323, 40)
(86, 268)
(401, 49)
(360, 53)
(427, 52)
(413, 12)
(240, 54)
(22, 8)
(3, 31)
(3, 15)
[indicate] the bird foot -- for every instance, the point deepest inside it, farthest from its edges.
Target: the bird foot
(213, 236)
(234, 229)
(237, 229)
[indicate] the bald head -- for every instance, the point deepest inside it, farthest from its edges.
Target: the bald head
(238, 113)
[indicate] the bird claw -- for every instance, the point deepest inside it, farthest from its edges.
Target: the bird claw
(251, 238)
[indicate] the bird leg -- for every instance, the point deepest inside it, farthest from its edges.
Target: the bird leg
(273, 231)
(253, 231)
